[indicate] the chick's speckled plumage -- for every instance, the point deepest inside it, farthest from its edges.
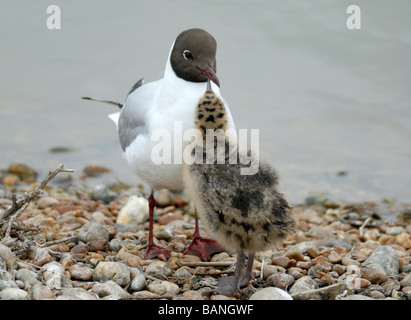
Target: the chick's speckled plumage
(246, 212)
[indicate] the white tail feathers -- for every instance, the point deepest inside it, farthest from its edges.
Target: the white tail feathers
(114, 117)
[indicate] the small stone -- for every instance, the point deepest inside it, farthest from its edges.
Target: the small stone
(28, 276)
(375, 294)
(135, 211)
(77, 294)
(41, 292)
(193, 295)
(80, 272)
(218, 257)
(8, 283)
(92, 231)
(324, 293)
(110, 288)
(103, 193)
(406, 281)
(163, 287)
(394, 231)
(13, 294)
(406, 290)
(334, 257)
(390, 285)
(305, 283)
(160, 268)
(116, 271)
(281, 261)
(357, 297)
(46, 202)
(145, 295)
(270, 293)
(96, 245)
(296, 255)
(164, 198)
(168, 217)
(53, 274)
(22, 170)
(10, 180)
(269, 270)
(94, 170)
(385, 259)
(42, 256)
(280, 280)
(182, 273)
(116, 244)
(303, 246)
(404, 240)
(139, 280)
(7, 255)
(375, 276)
(130, 259)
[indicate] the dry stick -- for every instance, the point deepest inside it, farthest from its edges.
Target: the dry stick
(206, 264)
(50, 243)
(16, 205)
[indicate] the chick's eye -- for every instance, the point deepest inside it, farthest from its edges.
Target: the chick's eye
(187, 55)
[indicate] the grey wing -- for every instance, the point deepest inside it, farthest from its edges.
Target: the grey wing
(131, 123)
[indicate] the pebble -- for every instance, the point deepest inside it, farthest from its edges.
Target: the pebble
(81, 272)
(281, 261)
(135, 211)
(110, 288)
(46, 202)
(384, 259)
(76, 294)
(8, 283)
(160, 268)
(270, 293)
(115, 271)
(28, 276)
(182, 273)
(42, 256)
(375, 276)
(7, 255)
(103, 193)
(13, 294)
(161, 287)
(41, 292)
(280, 280)
(305, 283)
(324, 293)
(92, 231)
(138, 281)
(116, 244)
(53, 274)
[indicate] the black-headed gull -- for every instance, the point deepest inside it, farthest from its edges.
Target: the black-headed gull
(166, 107)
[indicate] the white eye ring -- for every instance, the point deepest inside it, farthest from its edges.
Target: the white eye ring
(187, 55)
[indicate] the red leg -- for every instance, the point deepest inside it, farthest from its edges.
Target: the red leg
(202, 247)
(152, 249)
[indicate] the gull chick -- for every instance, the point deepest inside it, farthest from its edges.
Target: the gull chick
(245, 213)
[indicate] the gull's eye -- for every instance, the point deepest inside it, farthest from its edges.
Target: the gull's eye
(187, 55)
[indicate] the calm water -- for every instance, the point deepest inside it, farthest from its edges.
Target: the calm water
(326, 99)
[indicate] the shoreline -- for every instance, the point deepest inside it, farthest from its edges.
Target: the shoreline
(341, 250)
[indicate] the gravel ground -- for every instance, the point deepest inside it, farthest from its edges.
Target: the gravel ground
(75, 242)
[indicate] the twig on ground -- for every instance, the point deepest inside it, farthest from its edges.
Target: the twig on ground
(50, 243)
(17, 205)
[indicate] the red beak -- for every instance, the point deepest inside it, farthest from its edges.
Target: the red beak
(210, 74)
